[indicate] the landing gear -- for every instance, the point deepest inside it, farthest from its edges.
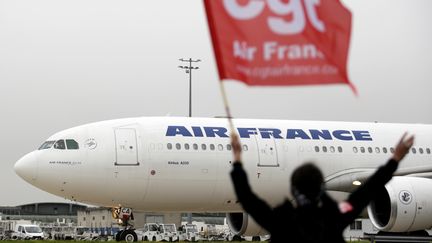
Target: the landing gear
(123, 216)
(128, 236)
(118, 235)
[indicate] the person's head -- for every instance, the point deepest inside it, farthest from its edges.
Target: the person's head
(307, 184)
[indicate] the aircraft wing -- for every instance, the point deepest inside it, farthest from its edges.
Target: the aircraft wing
(349, 180)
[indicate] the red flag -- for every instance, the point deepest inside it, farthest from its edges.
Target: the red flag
(280, 42)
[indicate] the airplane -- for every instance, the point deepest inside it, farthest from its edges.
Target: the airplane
(182, 164)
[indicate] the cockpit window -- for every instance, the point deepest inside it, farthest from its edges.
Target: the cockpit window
(60, 144)
(46, 145)
(71, 144)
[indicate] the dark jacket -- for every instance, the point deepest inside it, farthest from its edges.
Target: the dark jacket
(324, 223)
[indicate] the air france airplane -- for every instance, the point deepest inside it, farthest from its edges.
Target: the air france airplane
(183, 164)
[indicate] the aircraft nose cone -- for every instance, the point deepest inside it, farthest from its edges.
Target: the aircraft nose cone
(26, 167)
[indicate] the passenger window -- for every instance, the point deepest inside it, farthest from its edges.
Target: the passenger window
(212, 147)
(71, 144)
(245, 147)
(421, 150)
(370, 150)
(362, 149)
(332, 149)
(317, 149)
(169, 146)
(203, 146)
(178, 146)
(60, 144)
(228, 147)
(355, 149)
(186, 146)
(428, 150)
(324, 149)
(195, 146)
(384, 150)
(377, 150)
(392, 150)
(414, 150)
(340, 149)
(220, 147)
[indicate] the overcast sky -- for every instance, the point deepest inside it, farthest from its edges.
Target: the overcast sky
(65, 63)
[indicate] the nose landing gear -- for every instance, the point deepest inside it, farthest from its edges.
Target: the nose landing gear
(126, 235)
(123, 216)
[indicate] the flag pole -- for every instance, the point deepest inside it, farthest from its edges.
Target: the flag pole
(226, 105)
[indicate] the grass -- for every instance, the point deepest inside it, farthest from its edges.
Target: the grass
(69, 241)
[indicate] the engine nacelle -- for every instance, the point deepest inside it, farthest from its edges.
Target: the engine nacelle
(243, 224)
(404, 205)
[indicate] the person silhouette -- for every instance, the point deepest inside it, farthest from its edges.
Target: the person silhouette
(316, 217)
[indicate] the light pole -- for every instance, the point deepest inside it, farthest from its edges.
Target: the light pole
(188, 70)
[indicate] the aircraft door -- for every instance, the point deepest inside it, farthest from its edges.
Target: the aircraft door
(267, 152)
(126, 146)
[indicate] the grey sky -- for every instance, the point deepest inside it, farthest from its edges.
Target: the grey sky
(65, 63)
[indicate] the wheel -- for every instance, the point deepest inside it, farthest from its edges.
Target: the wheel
(118, 235)
(256, 238)
(236, 238)
(145, 238)
(128, 236)
(154, 238)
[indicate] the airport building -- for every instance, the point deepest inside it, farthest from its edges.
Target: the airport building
(47, 212)
(92, 217)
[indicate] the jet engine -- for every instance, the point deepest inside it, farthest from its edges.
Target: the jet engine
(243, 224)
(404, 205)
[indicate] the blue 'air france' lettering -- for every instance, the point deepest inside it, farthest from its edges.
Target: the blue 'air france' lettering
(266, 133)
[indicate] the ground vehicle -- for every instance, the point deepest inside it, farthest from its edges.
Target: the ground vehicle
(47, 231)
(63, 233)
(168, 232)
(189, 232)
(150, 232)
(27, 231)
(84, 233)
(1, 233)
(159, 232)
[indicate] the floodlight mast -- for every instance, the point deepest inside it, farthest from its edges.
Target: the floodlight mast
(188, 70)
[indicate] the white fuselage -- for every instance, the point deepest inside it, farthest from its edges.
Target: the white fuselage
(183, 164)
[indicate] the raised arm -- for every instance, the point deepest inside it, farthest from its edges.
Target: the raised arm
(261, 212)
(360, 198)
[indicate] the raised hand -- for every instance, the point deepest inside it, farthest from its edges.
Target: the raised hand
(236, 146)
(403, 147)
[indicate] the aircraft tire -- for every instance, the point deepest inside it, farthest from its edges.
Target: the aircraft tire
(128, 236)
(236, 238)
(118, 235)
